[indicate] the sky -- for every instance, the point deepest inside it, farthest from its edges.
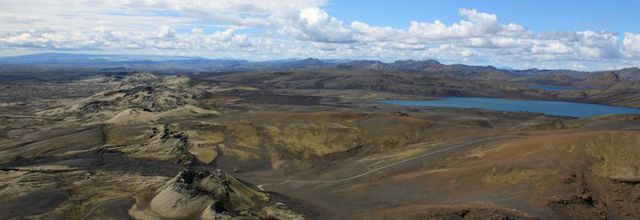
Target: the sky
(582, 35)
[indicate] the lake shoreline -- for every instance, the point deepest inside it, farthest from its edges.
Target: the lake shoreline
(548, 107)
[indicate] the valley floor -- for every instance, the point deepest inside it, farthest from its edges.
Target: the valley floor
(176, 147)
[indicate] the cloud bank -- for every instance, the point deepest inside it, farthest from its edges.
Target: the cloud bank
(259, 30)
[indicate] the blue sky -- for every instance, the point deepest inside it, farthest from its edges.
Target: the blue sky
(540, 15)
(585, 35)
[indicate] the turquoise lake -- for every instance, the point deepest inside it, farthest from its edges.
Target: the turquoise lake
(558, 108)
(555, 88)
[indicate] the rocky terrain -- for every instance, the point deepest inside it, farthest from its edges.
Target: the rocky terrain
(308, 140)
(116, 150)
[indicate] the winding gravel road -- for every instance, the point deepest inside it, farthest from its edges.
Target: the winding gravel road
(261, 186)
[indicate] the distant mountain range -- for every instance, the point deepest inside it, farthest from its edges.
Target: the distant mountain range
(158, 63)
(184, 64)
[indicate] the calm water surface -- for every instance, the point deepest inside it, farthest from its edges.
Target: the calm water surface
(555, 88)
(559, 108)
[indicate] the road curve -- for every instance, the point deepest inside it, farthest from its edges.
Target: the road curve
(261, 186)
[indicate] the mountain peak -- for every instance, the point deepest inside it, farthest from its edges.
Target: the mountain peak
(424, 62)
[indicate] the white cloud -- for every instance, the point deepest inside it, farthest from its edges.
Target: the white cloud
(598, 44)
(260, 29)
(367, 32)
(314, 24)
(631, 45)
(550, 47)
(477, 24)
(166, 32)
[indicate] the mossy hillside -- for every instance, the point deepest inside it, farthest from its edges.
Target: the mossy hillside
(513, 175)
(246, 135)
(618, 155)
(614, 155)
(315, 139)
(328, 133)
(103, 187)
